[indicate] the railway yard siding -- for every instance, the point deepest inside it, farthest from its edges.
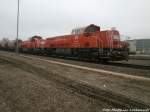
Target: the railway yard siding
(140, 57)
(103, 89)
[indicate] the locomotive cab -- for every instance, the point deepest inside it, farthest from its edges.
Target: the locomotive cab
(89, 29)
(119, 48)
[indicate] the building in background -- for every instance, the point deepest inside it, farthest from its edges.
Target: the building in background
(139, 46)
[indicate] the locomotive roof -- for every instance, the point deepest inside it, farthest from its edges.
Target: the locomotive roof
(91, 25)
(35, 37)
(83, 29)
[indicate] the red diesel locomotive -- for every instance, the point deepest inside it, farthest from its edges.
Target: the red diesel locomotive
(83, 43)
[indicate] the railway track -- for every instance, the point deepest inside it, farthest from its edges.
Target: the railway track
(140, 57)
(134, 69)
(135, 66)
(91, 69)
(116, 64)
(79, 87)
(120, 67)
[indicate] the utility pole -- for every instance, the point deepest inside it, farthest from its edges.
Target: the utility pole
(143, 47)
(17, 38)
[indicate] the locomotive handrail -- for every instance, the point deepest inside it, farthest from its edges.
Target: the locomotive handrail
(99, 45)
(110, 44)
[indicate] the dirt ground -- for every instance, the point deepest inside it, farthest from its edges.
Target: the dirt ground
(22, 91)
(127, 87)
(26, 89)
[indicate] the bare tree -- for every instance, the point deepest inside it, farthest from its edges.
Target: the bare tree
(4, 42)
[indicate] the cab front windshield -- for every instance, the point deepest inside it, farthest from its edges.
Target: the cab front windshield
(116, 37)
(91, 29)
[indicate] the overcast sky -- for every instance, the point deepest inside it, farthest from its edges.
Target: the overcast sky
(58, 17)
